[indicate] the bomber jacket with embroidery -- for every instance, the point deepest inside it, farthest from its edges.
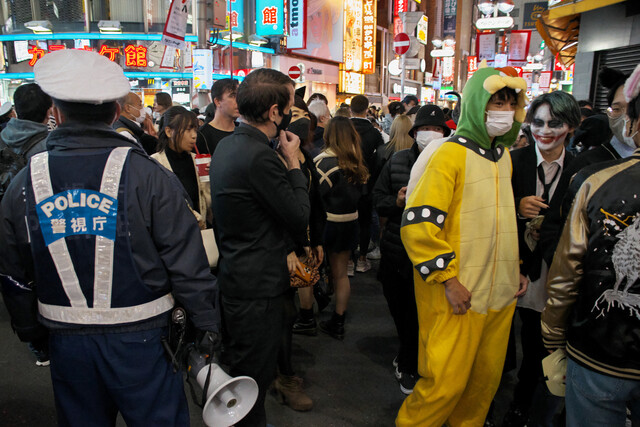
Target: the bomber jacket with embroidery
(594, 292)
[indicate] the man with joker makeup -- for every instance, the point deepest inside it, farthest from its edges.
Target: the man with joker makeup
(536, 172)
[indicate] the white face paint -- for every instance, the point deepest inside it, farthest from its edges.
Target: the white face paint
(548, 132)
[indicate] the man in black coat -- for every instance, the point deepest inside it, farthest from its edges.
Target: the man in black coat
(256, 201)
(370, 140)
(131, 120)
(536, 173)
(396, 270)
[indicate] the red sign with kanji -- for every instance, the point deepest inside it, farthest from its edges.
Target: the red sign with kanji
(270, 15)
(135, 56)
(37, 54)
(111, 51)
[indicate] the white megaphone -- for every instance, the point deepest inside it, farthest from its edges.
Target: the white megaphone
(228, 399)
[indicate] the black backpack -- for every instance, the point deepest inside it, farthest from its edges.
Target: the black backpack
(11, 162)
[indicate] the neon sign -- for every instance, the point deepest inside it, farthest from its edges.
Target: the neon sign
(135, 55)
(369, 36)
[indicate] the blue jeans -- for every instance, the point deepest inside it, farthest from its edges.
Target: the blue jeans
(598, 400)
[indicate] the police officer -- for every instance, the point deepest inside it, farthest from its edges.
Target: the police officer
(103, 237)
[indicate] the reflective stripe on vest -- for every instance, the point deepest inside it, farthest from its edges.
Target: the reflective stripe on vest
(101, 313)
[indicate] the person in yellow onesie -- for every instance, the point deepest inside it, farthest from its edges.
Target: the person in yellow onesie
(459, 229)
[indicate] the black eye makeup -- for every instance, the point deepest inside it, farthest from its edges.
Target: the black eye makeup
(553, 124)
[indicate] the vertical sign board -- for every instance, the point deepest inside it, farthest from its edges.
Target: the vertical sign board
(269, 17)
(297, 24)
(449, 23)
(519, 45)
(353, 35)
(237, 16)
(369, 36)
(202, 69)
(400, 6)
(486, 46)
(422, 29)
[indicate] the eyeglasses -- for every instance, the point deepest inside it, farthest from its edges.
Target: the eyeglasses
(615, 112)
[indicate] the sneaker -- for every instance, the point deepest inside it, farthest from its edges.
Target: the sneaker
(363, 266)
(42, 356)
(407, 382)
(350, 268)
(374, 254)
(305, 327)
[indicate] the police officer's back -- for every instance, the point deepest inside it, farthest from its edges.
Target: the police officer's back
(110, 243)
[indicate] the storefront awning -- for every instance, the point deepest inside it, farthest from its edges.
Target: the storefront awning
(572, 7)
(560, 35)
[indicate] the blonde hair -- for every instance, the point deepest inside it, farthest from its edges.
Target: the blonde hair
(399, 138)
(342, 139)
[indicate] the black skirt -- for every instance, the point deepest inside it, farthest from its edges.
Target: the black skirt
(341, 236)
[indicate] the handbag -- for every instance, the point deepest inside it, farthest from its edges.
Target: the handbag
(210, 246)
(309, 275)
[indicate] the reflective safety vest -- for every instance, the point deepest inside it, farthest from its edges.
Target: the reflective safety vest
(84, 267)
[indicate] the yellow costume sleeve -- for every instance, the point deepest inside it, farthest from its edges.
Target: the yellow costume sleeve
(430, 224)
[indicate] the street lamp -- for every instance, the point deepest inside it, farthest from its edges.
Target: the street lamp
(506, 6)
(437, 42)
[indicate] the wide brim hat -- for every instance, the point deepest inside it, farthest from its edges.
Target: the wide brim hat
(81, 76)
(430, 115)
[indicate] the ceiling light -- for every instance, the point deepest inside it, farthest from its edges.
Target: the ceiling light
(506, 6)
(437, 42)
(39, 27)
(110, 27)
(225, 35)
(256, 40)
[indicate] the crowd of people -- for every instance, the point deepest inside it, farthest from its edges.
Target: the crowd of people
(248, 214)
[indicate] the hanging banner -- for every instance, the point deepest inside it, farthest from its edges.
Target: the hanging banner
(187, 62)
(519, 45)
(486, 46)
(369, 36)
(353, 35)
(202, 69)
(532, 12)
(176, 25)
(297, 24)
(168, 58)
(269, 17)
(421, 29)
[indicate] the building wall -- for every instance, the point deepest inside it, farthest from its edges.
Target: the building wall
(601, 29)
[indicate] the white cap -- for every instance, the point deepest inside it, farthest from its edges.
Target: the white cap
(81, 76)
(5, 108)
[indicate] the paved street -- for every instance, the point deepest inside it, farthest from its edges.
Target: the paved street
(350, 381)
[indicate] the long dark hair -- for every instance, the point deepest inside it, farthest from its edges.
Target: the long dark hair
(178, 119)
(341, 137)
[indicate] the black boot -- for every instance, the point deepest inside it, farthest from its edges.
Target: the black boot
(305, 323)
(334, 326)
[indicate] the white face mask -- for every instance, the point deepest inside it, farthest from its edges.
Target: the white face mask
(424, 137)
(617, 127)
(142, 114)
(628, 140)
(499, 122)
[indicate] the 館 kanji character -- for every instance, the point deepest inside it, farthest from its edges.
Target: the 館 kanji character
(270, 15)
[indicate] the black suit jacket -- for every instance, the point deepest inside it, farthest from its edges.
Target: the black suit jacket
(524, 181)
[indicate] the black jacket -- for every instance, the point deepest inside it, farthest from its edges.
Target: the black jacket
(594, 286)
(149, 143)
(555, 219)
(394, 175)
(370, 140)
(524, 181)
(165, 239)
(255, 202)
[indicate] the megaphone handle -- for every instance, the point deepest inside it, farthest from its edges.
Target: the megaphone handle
(171, 354)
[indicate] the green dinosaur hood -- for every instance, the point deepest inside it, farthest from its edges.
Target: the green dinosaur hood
(475, 96)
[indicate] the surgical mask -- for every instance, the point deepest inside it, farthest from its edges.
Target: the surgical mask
(286, 119)
(142, 114)
(424, 137)
(301, 128)
(499, 122)
(628, 140)
(617, 127)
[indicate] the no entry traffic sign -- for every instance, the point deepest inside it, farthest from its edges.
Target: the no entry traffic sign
(295, 72)
(401, 43)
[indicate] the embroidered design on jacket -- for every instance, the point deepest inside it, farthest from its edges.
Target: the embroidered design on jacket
(626, 263)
